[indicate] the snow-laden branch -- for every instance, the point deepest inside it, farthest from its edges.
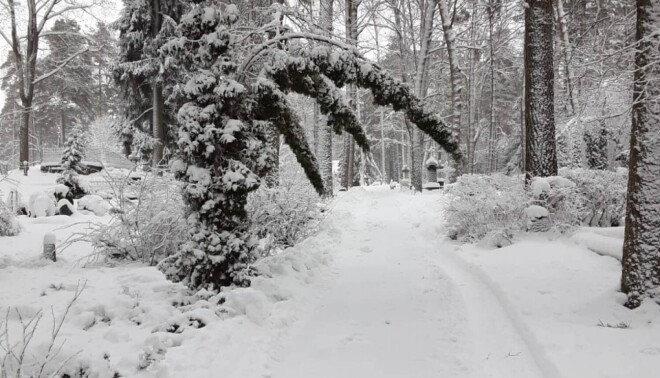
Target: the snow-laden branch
(61, 65)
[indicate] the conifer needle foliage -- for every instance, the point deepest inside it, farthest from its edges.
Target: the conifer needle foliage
(232, 95)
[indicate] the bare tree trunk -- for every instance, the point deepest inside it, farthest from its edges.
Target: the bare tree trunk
(455, 75)
(491, 126)
(541, 152)
(158, 121)
(324, 130)
(416, 137)
(158, 103)
(641, 248)
(349, 143)
(567, 53)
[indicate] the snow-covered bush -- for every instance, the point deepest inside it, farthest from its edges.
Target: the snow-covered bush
(284, 215)
(41, 204)
(9, 225)
(558, 196)
(148, 220)
(482, 205)
(485, 205)
(600, 196)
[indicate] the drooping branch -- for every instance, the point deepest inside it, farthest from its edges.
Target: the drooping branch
(343, 67)
(271, 105)
(300, 75)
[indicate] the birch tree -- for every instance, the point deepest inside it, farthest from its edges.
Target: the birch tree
(24, 45)
(641, 249)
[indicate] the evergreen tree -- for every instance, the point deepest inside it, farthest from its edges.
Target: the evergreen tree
(73, 151)
(70, 89)
(138, 74)
(232, 99)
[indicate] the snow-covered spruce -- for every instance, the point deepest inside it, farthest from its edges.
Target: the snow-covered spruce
(73, 151)
(223, 130)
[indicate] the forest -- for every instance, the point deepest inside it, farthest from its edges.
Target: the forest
(295, 188)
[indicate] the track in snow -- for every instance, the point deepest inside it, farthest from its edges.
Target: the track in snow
(401, 304)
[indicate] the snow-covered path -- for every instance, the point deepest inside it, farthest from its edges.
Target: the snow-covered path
(401, 304)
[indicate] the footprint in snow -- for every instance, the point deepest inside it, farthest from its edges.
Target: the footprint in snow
(366, 249)
(651, 351)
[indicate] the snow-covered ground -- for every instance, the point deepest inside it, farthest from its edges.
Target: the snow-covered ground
(377, 292)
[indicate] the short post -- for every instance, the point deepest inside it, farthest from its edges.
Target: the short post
(49, 247)
(25, 168)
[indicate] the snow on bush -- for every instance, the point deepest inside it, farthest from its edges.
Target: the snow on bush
(41, 204)
(486, 205)
(600, 195)
(282, 216)
(498, 204)
(9, 225)
(93, 203)
(148, 220)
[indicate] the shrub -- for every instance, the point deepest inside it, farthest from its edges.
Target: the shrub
(282, 216)
(495, 205)
(21, 357)
(148, 221)
(481, 205)
(9, 225)
(600, 195)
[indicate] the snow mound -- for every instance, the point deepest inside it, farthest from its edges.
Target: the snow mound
(536, 211)
(93, 203)
(58, 191)
(41, 204)
(540, 185)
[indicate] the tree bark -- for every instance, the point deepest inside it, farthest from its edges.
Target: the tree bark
(540, 149)
(455, 75)
(158, 103)
(349, 143)
(417, 138)
(325, 131)
(567, 54)
(491, 126)
(158, 120)
(641, 248)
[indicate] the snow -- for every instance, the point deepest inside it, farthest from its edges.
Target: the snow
(41, 204)
(95, 204)
(536, 211)
(376, 292)
(540, 185)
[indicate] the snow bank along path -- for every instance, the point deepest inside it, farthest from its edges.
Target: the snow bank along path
(401, 303)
